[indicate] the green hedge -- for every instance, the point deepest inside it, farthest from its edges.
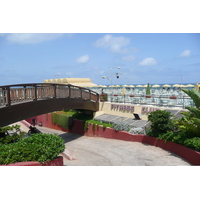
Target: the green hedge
(182, 138)
(62, 120)
(37, 147)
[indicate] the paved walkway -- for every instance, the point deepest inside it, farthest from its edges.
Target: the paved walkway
(96, 151)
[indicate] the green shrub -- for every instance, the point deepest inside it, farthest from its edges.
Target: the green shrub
(193, 143)
(177, 137)
(121, 126)
(11, 139)
(95, 122)
(161, 123)
(11, 134)
(61, 119)
(38, 147)
(182, 138)
(190, 121)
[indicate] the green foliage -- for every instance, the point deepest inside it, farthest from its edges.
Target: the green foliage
(6, 129)
(82, 116)
(62, 119)
(85, 126)
(161, 122)
(184, 131)
(193, 143)
(70, 112)
(191, 120)
(95, 122)
(13, 138)
(121, 126)
(89, 119)
(104, 97)
(190, 125)
(38, 147)
(195, 95)
(182, 138)
(148, 92)
(11, 134)
(176, 137)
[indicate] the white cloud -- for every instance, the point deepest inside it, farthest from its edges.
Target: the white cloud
(128, 58)
(148, 61)
(83, 59)
(185, 53)
(114, 43)
(31, 38)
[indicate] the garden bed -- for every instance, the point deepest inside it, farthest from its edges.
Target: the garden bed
(55, 162)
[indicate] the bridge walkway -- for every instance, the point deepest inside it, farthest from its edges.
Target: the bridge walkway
(21, 101)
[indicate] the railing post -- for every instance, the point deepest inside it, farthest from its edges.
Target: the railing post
(8, 96)
(69, 91)
(90, 95)
(35, 92)
(4, 95)
(25, 93)
(81, 92)
(54, 91)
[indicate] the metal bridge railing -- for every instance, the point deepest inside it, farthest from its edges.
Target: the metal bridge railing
(12, 94)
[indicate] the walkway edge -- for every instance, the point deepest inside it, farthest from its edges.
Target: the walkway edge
(66, 154)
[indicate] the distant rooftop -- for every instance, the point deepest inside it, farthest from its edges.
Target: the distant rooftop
(83, 82)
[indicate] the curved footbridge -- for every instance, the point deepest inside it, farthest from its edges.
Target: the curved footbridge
(21, 101)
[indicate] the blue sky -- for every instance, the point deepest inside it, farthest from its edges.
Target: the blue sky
(142, 57)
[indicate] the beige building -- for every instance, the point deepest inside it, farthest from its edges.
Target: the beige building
(127, 110)
(82, 82)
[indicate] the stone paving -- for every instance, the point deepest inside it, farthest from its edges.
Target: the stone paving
(113, 118)
(94, 151)
(132, 122)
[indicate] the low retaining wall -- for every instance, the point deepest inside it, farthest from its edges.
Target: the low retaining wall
(190, 155)
(56, 162)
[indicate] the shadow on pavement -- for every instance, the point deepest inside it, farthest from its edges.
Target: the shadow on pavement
(68, 137)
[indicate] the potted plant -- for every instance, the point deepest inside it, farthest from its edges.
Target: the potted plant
(173, 97)
(148, 92)
(103, 97)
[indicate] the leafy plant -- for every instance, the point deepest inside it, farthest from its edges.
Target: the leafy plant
(195, 96)
(11, 134)
(121, 126)
(62, 119)
(104, 97)
(148, 92)
(38, 147)
(138, 130)
(161, 123)
(182, 138)
(191, 120)
(193, 143)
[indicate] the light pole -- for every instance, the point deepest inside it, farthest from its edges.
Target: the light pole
(110, 79)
